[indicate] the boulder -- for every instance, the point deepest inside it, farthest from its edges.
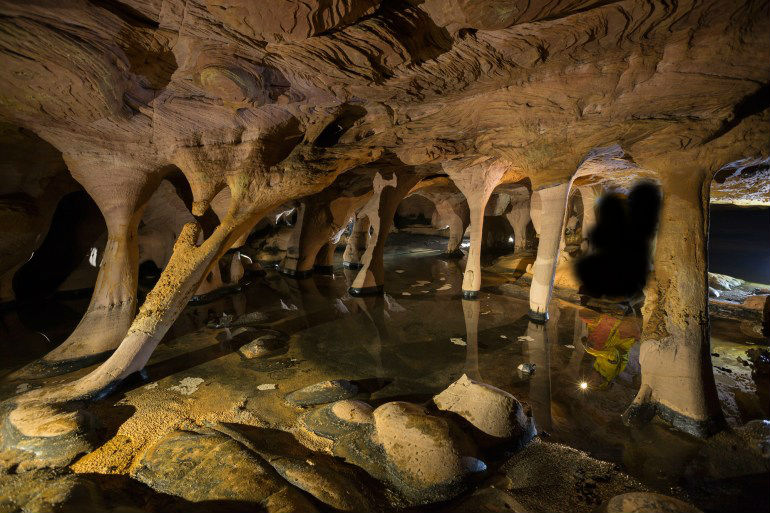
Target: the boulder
(496, 414)
(323, 392)
(424, 453)
(646, 502)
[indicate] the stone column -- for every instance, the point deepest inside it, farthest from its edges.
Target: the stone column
(476, 182)
(458, 215)
(351, 258)
(551, 203)
(589, 194)
(121, 200)
(675, 355)
(291, 261)
(324, 261)
(519, 218)
(380, 210)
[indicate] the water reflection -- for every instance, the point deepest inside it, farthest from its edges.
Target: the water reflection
(403, 343)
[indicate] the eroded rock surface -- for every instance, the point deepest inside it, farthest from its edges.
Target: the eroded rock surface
(210, 466)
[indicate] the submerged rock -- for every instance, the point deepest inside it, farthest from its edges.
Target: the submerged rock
(646, 502)
(495, 413)
(249, 318)
(212, 467)
(489, 499)
(526, 368)
(337, 419)
(261, 347)
(424, 453)
(323, 392)
(341, 486)
(756, 433)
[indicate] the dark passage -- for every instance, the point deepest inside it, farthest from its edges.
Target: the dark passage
(739, 242)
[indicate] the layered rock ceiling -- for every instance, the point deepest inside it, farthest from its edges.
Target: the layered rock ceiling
(222, 88)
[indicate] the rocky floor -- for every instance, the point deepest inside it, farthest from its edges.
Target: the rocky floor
(294, 396)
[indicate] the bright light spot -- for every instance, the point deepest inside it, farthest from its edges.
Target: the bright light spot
(510, 239)
(583, 385)
(465, 244)
(92, 257)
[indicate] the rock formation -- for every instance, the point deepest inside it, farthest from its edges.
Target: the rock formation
(266, 106)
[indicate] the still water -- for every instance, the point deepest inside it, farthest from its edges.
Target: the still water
(417, 339)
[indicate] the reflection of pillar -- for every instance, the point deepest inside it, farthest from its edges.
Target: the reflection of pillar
(374, 309)
(551, 204)
(471, 311)
(476, 182)
(519, 218)
(580, 330)
(538, 352)
(380, 210)
(351, 258)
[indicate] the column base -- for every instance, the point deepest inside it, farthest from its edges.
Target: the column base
(637, 415)
(326, 270)
(352, 265)
(470, 294)
(293, 273)
(366, 291)
(538, 317)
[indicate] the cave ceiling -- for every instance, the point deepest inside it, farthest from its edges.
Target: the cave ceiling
(216, 87)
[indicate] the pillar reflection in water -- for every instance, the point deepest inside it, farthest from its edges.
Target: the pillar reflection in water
(373, 308)
(471, 310)
(538, 351)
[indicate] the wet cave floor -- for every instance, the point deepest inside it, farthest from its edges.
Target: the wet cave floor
(409, 345)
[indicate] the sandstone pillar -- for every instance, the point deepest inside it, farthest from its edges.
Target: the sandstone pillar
(476, 182)
(324, 261)
(589, 194)
(321, 219)
(356, 246)
(458, 216)
(519, 218)
(380, 210)
(675, 357)
(551, 203)
(121, 200)
(291, 262)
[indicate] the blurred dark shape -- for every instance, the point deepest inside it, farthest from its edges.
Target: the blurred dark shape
(618, 261)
